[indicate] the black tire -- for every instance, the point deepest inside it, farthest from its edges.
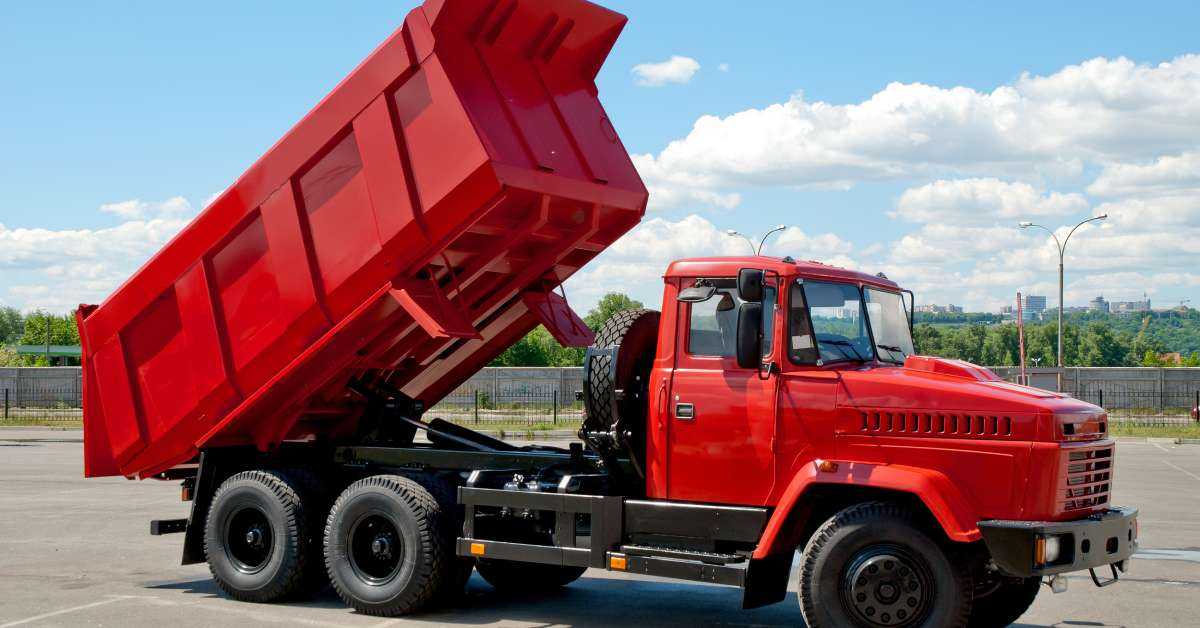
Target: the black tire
(314, 494)
(256, 538)
(873, 565)
(635, 333)
(385, 549)
(516, 577)
(460, 567)
(1005, 603)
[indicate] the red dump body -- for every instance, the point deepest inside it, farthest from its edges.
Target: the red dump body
(404, 233)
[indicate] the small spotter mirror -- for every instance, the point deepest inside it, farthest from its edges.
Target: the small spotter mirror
(696, 294)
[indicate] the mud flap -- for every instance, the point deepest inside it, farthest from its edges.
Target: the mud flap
(766, 580)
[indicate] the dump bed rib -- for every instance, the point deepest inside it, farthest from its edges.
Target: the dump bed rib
(410, 228)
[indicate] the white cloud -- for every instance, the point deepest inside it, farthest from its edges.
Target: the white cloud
(724, 67)
(1166, 174)
(983, 201)
(136, 208)
(678, 69)
(636, 263)
(1099, 111)
(58, 269)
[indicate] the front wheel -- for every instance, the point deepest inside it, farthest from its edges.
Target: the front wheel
(873, 566)
(1005, 602)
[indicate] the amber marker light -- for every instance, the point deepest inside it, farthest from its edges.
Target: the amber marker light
(826, 466)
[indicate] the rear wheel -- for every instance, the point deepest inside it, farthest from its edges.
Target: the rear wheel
(256, 537)
(384, 547)
(872, 565)
(1004, 602)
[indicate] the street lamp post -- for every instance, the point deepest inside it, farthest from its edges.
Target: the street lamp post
(1062, 249)
(753, 249)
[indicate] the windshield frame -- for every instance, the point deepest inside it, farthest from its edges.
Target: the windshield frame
(874, 356)
(908, 319)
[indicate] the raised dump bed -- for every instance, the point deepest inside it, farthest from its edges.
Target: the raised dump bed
(410, 228)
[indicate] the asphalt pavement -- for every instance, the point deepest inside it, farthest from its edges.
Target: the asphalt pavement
(77, 552)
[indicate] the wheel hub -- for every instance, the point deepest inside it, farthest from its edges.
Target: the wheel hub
(375, 549)
(248, 539)
(887, 587)
(381, 546)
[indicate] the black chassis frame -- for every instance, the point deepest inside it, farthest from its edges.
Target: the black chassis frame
(622, 528)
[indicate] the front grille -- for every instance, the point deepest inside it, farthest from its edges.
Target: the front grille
(1087, 479)
(935, 424)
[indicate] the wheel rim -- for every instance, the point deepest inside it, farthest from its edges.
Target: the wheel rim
(885, 585)
(249, 539)
(376, 548)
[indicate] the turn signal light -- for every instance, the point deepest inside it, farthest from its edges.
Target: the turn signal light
(617, 562)
(826, 466)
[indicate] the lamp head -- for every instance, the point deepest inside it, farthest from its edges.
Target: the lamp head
(1024, 224)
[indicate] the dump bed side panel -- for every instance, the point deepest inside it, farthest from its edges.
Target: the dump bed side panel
(405, 232)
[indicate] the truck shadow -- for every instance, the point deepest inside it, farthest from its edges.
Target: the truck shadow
(590, 601)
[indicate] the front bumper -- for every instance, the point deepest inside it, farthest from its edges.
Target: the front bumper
(1103, 539)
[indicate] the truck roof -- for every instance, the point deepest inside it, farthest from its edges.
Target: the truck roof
(729, 266)
(409, 229)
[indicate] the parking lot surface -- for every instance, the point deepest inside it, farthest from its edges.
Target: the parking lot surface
(76, 552)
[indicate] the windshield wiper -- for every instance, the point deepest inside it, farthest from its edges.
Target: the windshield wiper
(849, 345)
(893, 349)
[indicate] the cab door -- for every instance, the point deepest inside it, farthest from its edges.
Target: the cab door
(721, 418)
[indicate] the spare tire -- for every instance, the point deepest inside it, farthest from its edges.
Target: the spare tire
(616, 396)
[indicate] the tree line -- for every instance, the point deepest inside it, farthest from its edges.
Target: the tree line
(1090, 338)
(31, 329)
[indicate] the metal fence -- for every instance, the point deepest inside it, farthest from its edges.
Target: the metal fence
(544, 398)
(546, 409)
(1144, 408)
(41, 406)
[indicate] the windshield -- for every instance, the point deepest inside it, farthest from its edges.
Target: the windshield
(838, 322)
(889, 323)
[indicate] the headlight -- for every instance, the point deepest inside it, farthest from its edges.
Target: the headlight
(1053, 548)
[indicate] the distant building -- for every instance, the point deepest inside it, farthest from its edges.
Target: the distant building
(1034, 307)
(940, 309)
(1098, 304)
(1130, 307)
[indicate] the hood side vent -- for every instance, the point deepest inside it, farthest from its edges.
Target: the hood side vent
(938, 424)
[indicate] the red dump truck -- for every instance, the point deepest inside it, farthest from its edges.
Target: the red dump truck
(278, 356)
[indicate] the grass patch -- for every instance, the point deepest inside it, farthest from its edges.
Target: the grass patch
(1155, 431)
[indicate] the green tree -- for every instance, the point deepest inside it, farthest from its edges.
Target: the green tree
(8, 357)
(610, 304)
(11, 325)
(539, 348)
(1102, 347)
(62, 329)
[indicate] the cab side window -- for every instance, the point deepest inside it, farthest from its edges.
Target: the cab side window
(802, 346)
(712, 325)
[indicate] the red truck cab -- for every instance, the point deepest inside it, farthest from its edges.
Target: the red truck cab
(835, 396)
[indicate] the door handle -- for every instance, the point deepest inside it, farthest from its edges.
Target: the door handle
(685, 412)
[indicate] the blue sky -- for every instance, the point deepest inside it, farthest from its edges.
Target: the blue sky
(166, 104)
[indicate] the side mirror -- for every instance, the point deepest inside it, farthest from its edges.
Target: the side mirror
(749, 334)
(750, 285)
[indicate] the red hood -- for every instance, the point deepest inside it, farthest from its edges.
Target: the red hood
(937, 384)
